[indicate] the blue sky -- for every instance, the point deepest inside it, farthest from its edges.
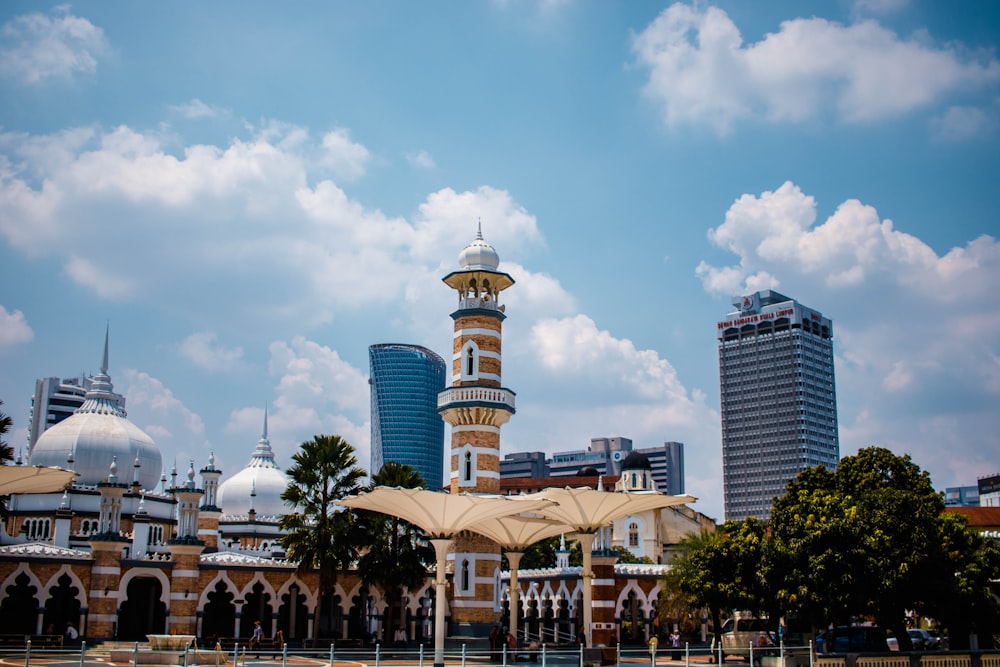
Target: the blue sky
(252, 193)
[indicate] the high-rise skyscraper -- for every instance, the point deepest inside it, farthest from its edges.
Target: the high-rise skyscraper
(779, 401)
(406, 427)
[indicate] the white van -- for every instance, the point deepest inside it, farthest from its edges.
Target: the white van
(739, 633)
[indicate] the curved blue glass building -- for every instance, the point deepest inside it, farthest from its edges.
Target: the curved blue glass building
(406, 428)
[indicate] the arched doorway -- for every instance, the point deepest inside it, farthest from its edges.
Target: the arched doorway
(219, 615)
(63, 606)
(142, 612)
(293, 617)
(19, 607)
(257, 608)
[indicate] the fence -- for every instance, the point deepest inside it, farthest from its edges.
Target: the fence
(473, 655)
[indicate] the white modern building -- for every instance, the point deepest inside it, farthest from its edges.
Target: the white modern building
(778, 396)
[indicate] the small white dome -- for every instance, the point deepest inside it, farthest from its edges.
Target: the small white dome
(259, 485)
(98, 432)
(479, 255)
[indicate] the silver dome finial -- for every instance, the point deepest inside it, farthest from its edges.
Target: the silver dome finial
(113, 474)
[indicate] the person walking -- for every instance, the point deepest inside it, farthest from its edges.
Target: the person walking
(675, 644)
(256, 637)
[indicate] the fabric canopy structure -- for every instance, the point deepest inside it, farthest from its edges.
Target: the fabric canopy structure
(585, 511)
(33, 479)
(515, 534)
(441, 515)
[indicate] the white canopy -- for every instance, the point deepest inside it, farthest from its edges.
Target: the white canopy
(33, 479)
(441, 514)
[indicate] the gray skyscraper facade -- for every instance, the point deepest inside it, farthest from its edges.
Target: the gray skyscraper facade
(778, 399)
(406, 428)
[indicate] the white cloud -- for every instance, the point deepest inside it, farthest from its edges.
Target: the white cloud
(317, 392)
(962, 123)
(202, 349)
(14, 328)
(198, 109)
(39, 47)
(152, 406)
(347, 158)
(103, 282)
(916, 334)
(421, 159)
(702, 72)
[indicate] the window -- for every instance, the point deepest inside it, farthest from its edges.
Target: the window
(468, 466)
(465, 575)
(633, 535)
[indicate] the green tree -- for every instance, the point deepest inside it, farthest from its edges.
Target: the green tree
(319, 535)
(961, 595)
(398, 553)
(627, 557)
(6, 454)
(814, 552)
(703, 574)
(897, 509)
(858, 541)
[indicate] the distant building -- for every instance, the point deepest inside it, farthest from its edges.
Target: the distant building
(667, 462)
(56, 399)
(778, 396)
(524, 464)
(406, 427)
(989, 491)
(961, 496)
(605, 456)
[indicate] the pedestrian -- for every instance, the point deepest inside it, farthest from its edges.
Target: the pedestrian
(279, 642)
(70, 634)
(495, 643)
(258, 634)
(675, 645)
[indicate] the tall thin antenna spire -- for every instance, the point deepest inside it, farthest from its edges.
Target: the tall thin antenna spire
(265, 421)
(479, 230)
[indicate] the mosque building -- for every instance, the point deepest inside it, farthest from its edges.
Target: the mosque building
(128, 550)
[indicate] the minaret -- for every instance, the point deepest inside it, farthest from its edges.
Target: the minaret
(476, 405)
(209, 513)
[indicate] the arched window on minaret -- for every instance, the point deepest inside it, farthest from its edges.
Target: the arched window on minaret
(470, 361)
(633, 535)
(465, 575)
(468, 466)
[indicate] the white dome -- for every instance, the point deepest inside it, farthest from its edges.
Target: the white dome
(96, 434)
(259, 485)
(479, 255)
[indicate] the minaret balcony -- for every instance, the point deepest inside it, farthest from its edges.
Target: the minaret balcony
(479, 303)
(484, 397)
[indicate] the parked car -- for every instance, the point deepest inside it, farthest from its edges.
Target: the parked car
(852, 639)
(923, 640)
(739, 633)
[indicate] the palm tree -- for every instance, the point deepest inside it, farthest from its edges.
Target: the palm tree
(6, 454)
(319, 535)
(399, 554)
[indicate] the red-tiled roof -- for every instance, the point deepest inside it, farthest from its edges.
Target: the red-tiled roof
(981, 518)
(512, 485)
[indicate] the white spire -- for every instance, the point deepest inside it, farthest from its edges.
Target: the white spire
(101, 398)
